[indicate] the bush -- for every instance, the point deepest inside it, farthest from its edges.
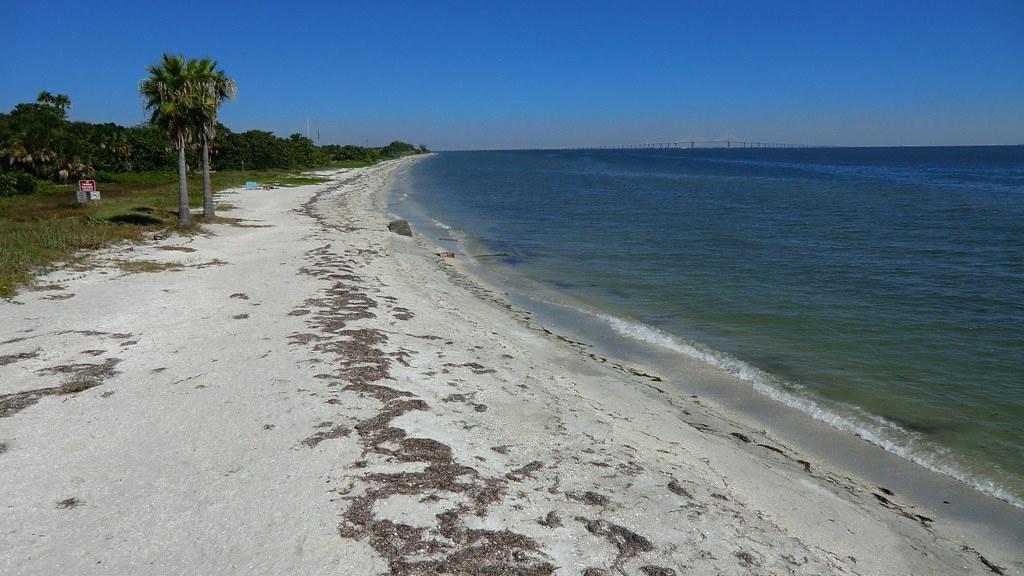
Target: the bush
(13, 183)
(8, 184)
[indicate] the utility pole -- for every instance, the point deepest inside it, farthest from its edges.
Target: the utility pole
(307, 127)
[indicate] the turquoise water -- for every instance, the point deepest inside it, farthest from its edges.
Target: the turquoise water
(878, 290)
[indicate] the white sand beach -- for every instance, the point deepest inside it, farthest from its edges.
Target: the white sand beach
(302, 391)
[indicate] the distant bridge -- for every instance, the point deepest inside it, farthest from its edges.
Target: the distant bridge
(700, 144)
(677, 145)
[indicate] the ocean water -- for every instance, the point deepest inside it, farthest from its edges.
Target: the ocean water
(879, 290)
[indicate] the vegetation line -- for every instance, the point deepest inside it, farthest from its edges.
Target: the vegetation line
(150, 175)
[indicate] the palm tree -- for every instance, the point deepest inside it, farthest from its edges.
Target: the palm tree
(216, 87)
(173, 99)
(60, 101)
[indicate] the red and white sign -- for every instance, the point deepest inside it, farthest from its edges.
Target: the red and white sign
(87, 185)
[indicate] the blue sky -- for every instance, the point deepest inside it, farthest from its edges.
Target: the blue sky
(513, 74)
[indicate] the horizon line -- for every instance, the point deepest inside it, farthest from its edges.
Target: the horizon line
(672, 146)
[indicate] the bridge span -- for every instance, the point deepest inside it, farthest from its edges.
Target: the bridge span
(676, 145)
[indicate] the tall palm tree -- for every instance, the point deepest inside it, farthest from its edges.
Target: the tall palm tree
(216, 87)
(56, 100)
(173, 99)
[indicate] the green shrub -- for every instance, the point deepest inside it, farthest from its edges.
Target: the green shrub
(26, 184)
(14, 183)
(8, 184)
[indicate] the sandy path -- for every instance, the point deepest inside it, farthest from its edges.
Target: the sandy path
(308, 393)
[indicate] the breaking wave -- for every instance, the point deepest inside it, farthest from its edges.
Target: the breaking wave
(887, 435)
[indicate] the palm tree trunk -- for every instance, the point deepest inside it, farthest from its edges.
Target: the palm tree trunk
(207, 189)
(184, 216)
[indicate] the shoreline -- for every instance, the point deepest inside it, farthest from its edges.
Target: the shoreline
(924, 487)
(308, 391)
(984, 515)
(751, 398)
(798, 320)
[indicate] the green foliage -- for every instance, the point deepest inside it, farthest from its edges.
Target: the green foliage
(259, 150)
(59, 101)
(42, 153)
(354, 156)
(37, 138)
(350, 153)
(174, 98)
(25, 183)
(8, 184)
(214, 89)
(398, 149)
(14, 183)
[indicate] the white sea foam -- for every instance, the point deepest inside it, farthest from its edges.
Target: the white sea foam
(874, 429)
(440, 224)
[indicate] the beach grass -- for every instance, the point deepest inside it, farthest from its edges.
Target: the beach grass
(39, 229)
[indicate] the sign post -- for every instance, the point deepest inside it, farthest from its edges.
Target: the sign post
(87, 191)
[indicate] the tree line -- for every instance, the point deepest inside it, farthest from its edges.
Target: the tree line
(38, 142)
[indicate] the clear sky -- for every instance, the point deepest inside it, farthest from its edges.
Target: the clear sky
(514, 74)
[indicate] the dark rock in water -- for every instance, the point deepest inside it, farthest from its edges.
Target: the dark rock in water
(400, 227)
